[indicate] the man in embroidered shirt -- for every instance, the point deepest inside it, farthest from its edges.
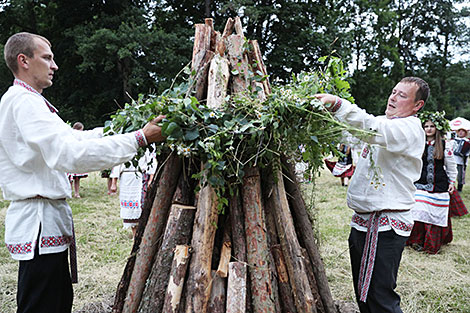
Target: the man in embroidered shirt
(382, 195)
(36, 150)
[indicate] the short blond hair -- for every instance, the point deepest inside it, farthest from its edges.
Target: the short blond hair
(20, 43)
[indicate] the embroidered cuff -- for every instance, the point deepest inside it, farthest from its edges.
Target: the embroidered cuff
(337, 104)
(140, 137)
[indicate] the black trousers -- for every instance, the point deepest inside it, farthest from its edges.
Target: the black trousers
(382, 297)
(44, 284)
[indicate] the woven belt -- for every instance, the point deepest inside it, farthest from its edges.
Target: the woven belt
(41, 197)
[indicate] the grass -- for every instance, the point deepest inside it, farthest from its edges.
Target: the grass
(427, 283)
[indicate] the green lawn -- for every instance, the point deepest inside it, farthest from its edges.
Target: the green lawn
(428, 283)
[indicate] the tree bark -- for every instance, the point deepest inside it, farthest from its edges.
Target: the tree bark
(199, 280)
(217, 298)
(305, 228)
(291, 249)
(236, 287)
(176, 281)
(285, 292)
(257, 246)
(153, 230)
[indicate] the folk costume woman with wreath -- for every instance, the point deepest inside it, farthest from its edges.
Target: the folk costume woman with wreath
(432, 227)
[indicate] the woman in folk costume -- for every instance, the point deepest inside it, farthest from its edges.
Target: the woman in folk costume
(343, 168)
(432, 227)
(133, 187)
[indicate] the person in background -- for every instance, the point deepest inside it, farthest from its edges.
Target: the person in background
(37, 149)
(75, 178)
(382, 219)
(432, 227)
(343, 168)
(461, 152)
(134, 182)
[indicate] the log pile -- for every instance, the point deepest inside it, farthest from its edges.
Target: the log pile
(260, 255)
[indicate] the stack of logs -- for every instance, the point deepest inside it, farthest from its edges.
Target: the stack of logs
(260, 255)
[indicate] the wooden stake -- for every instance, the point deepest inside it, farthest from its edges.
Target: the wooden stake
(217, 298)
(199, 279)
(285, 291)
(153, 230)
(238, 63)
(236, 287)
(291, 249)
(217, 81)
(257, 246)
(305, 228)
(176, 281)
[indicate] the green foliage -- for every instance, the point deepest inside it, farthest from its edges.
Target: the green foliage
(245, 130)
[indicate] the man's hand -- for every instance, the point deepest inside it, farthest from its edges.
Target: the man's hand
(153, 132)
(330, 102)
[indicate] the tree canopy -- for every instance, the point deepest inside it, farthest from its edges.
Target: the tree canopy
(112, 50)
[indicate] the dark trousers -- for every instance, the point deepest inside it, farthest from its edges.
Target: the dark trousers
(382, 297)
(44, 284)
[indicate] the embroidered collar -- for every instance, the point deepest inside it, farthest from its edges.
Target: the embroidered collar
(430, 142)
(21, 83)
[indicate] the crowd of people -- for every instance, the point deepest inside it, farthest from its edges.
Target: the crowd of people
(412, 205)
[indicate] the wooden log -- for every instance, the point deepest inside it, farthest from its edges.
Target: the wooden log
(238, 63)
(238, 26)
(199, 280)
(257, 246)
(305, 230)
(220, 48)
(236, 287)
(176, 281)
(153, 230)
(256, 61)
(226, 252)
(291, 249)
(123, 285)
(313, 282)
(201, 76)
(238, 227)
(285, 291)
(177, 232)
(217, 81)
(202, 43)
(218, 292)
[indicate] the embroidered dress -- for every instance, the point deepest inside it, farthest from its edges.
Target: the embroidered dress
(432, 226)
(343, 167)
(132, 188)
(36, 150)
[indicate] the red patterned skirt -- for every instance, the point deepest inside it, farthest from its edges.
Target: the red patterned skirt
(456, 205)
(430, 237)
(347, 173)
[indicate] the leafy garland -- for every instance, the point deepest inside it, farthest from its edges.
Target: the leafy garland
(437, 118)
(245, 130)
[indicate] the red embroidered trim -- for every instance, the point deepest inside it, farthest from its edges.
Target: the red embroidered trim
(20, 248)
(55, 241)
(29, 88)
(383, 222)
(139, 136)
(130, 204)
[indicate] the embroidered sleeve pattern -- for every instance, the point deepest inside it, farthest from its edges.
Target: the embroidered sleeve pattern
(139, 136)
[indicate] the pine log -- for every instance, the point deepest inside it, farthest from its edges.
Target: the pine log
(202, 43)
(291, 249)
(305, 229)
(217, 81)
(238, 228)
(256, 60)
(238, 26)
(238, 63)
(123, 285)
(176, 281)
(220, 48)
(313, 282)
(236, 287)
(218, 292)
(199, 280)
(285, 291)
(257, 245)
(177, 232)
(153, 230)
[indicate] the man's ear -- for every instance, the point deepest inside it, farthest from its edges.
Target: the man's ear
(418, 105)
(22, 61)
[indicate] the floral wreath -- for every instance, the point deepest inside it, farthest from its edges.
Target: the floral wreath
(437, 118)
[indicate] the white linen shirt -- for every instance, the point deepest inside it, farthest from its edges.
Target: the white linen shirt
(396, 152)
(36, 150)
